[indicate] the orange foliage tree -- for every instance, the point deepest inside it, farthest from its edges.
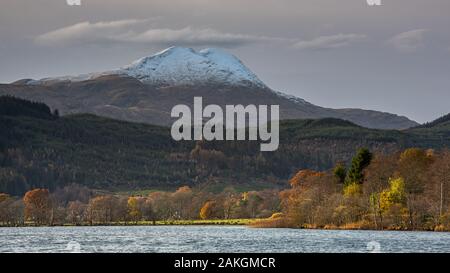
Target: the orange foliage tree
(38, 206)
(208, 210)
(301, 177)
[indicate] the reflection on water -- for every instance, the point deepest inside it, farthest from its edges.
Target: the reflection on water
(215, 239)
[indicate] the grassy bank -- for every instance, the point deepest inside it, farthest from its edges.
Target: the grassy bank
(284, 223)
(218, 222)
(213, 222)
(254, 223)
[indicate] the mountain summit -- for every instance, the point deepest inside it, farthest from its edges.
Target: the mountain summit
(178, 66)
(147, 89)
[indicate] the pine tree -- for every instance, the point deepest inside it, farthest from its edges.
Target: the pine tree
(360, 161)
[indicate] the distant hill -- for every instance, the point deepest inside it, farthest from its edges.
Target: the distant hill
(443, 121)
(146, 90)
(38, 149)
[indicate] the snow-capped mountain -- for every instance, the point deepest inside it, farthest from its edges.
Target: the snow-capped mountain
(179, 66)
(147, 89)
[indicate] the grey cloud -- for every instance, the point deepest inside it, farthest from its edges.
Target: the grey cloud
(330, 42)
(409, 41)
(131, 31)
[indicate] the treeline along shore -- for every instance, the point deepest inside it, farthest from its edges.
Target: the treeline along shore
(407, 190)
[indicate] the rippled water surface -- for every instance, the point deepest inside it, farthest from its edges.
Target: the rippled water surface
(215, 239)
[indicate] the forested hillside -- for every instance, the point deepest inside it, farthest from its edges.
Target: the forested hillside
(40, 149)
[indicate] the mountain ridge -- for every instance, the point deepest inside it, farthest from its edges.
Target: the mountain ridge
(441, 121)
(176, 66)
(146, 90)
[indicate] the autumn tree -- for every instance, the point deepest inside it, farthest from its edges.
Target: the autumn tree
(59, 215)
(16, 213)
(301, 177)
(299, 203)
(318, 201)
(148, 211)
(76, 212)
(135, 208)
(161, 205)
(377, 176)
(392, 202)
(5, 200)
(394, 195)
(252, 201)
(101, 209)
(181, 200)
(412, 167)
(120, 209)
(438, 189)
(230, 202)
(208, 210)
(11, 210)
(38, 207)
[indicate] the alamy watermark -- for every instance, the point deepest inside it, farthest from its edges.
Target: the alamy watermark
(374, 2)
(73, 247)
(373, 247)
(235, 123)
(73, 2)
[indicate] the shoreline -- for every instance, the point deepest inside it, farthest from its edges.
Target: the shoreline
(279, 223)
(250, 223)
(217, 222)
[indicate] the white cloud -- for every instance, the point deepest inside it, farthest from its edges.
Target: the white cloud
(87, 32)
(196, 37)
(330, 42)
(133, 31)
(409, 41)
(142, 32)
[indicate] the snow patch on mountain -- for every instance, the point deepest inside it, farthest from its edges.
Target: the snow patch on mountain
(177, 66)
(292, 98)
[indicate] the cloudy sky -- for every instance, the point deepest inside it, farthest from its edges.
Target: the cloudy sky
(334, 53)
